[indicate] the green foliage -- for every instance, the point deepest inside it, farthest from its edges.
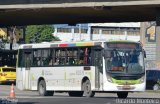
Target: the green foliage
(40, 33)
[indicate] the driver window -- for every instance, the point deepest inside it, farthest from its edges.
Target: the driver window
(134, 57)
(116, 61)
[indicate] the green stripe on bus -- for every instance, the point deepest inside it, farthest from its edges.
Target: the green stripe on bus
(79, 44)
(124, 82)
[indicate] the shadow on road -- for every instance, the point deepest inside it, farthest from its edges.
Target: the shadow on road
(14, 101)
(8, 83)
(26, 102)
(99, 97)
(6, 101)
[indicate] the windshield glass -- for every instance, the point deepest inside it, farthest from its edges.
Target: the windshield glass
(9, 70)
(128, 61)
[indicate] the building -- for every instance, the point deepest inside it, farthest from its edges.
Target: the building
(98, 31)
(150, 40)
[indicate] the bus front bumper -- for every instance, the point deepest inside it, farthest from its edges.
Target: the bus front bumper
(130, 88)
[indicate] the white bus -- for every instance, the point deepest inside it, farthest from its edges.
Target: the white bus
(81, 68)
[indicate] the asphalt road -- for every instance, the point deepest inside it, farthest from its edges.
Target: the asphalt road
(29, 97)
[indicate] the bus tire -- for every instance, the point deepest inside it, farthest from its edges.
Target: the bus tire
(42, 89)
(122, 94)
(87, 89)
(50, 93)
(76, 93)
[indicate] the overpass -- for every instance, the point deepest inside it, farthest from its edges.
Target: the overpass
(25, 12)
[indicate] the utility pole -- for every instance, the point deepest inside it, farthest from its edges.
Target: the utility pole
(80, 32)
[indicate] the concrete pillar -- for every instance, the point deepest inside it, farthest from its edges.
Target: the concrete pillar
(80, 34)
(100, 34)
(89, 33)
(24, 34)
(125, 33)
(55, 30)
(72, 32)
(143, 32)
(158, 36)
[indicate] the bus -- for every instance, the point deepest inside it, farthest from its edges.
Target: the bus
(81, 68)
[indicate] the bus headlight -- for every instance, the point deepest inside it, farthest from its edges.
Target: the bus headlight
(109, 78)
(141, 80)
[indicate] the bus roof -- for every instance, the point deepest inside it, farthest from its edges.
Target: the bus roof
(60, 44)
(68, 44)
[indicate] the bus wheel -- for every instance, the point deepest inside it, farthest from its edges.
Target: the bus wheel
(76, 93)
(42, 89)
(50, 93)
(87, 89)
(122, 94)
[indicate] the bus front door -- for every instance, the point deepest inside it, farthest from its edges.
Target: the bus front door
(27, 84)
(98, 66)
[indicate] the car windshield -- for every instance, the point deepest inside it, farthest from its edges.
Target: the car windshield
(9, 70)
(124, 61)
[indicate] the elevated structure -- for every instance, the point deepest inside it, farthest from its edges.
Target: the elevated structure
(25, 12)
(98, 31)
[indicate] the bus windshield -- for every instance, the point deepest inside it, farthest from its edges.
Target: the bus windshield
(124, 60)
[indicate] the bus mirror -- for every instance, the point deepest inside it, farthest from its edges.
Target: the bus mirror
(107, 54)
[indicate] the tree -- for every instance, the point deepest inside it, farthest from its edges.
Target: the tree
(40, 33)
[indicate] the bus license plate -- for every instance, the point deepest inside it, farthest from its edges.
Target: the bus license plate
(126, 87)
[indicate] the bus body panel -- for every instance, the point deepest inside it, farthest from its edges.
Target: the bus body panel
(19, 78)
(66, 78)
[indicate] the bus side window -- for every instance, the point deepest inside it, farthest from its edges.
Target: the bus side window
(56, 61)
(36, 58)
(87, 56)
(38, 61)
(45, 57)
(50, 61)
(84, 56)
(72, 56)
(43, 61)
(71, 61)
(81, 56)
(50, 57)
